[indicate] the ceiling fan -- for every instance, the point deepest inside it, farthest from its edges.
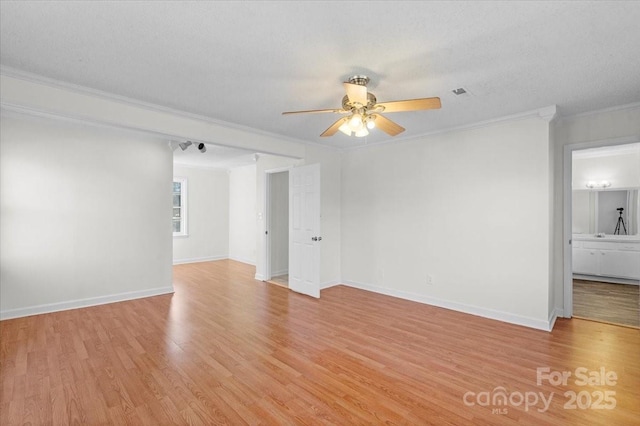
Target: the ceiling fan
(364, 111)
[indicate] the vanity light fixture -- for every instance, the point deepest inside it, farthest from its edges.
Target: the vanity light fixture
(603, 184)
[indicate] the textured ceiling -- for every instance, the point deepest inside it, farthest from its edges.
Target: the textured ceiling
(246, 62)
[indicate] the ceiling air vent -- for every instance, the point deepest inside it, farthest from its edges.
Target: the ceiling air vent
(459, 91)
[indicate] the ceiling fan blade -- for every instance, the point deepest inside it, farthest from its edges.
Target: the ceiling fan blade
(334, 127)
(410, 105)
(389, 127)
(356, 93)
(315, 111)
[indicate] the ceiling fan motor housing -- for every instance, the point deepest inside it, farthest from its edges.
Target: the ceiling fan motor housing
(371, 101)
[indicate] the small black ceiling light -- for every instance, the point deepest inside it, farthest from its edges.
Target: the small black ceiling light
(201, 147)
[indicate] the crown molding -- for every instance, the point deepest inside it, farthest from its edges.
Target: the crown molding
(632, 105)
(83, 90)
(36, 112)
(547, 113)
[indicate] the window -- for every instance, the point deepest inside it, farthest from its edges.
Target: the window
(179, 220)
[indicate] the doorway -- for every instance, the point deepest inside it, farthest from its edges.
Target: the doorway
(605, 249)
(277, 184)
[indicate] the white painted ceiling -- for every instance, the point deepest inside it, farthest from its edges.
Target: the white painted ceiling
(246, 62)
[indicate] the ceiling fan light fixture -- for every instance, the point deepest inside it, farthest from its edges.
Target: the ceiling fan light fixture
(355, 122)
(344, 128)
(371, 122)
(363, 112)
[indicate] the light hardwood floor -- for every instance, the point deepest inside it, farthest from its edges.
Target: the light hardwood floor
(226, 349)
(613, 303)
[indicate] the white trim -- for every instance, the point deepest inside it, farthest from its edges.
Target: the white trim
(259, 277)
(604, 110)
(268, 274)
(83, 303)
(87, 91)
(83, 90)
(547, 113)
(329, 284)
(280, 272)
(279, 169)
(553, 316)
(147, 128)
(41, 113)
(567, 222)
(545, 325)
(198, 259)
(243, 260)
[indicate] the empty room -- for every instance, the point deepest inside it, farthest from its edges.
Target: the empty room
(317, 212)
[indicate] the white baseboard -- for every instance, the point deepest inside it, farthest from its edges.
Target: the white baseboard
(280, 272)
(555, 314)
(455, 306)
(198, 259)
(243, 260)
(259, 277)
(83, 303)
(328, 284)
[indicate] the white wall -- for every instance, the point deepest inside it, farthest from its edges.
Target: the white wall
(242, 214)
(85, 215)
(468, 208)
(207, 215)
(279, 222)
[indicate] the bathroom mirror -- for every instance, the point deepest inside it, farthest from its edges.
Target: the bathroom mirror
(596, 212)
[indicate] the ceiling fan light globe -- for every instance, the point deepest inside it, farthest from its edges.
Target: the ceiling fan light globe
(362, 132)
(371, 124)
(355, 122)
(345, 128)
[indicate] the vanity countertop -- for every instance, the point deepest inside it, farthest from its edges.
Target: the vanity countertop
(607, 237)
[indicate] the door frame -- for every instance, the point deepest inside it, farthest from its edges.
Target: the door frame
(267, 217)
(567, 233)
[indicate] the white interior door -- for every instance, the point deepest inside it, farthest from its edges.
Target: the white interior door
(304, 230)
